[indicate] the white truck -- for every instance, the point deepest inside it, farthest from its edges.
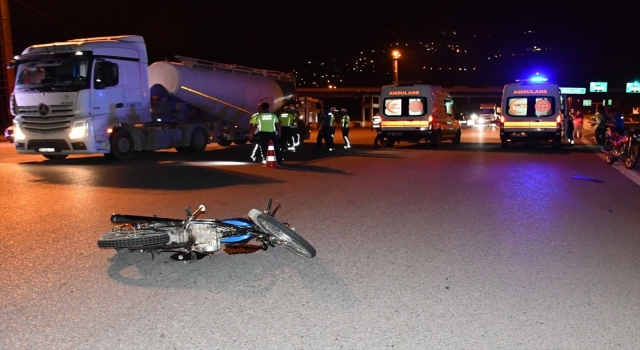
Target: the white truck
(487, 115)
(98, 95)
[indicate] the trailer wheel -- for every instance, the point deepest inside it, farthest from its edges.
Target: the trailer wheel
(198, 141)
(122, 145)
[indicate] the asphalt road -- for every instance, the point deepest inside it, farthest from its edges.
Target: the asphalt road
(464, 247)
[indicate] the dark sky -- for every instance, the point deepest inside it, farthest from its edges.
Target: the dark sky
(602, 37)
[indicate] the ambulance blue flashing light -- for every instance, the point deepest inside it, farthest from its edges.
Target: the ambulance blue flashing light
(538, 79)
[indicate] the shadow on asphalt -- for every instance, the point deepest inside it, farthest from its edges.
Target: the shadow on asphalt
(252, 275)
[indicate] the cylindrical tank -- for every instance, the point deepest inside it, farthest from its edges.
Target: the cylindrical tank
(232, 96)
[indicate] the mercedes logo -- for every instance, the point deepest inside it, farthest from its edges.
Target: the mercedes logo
(43, 110)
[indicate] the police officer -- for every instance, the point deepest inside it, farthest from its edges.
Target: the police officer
(268, 125)
(345, 128)
(257, 150)
(326, 129)
(289, 129)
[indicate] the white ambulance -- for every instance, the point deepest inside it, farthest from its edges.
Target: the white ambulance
(413, 112)
(530, 113)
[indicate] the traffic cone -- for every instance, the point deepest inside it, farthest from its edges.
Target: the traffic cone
(271, 157)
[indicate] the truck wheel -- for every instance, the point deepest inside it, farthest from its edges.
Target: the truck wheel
(389, 143)
(55, 156)
(122, 145)
(224, 142)
(181, 149)
(198, 141)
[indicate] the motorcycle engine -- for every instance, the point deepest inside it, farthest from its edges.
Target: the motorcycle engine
(204, 236)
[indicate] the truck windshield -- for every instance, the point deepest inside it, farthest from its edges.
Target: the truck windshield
(53, 75)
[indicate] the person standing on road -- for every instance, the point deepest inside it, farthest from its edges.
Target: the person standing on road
(616, 123)
(600, 120)
(325, 130)
(568, 131)
(256, 149)
(578, 121)
(375, 126)
(288, 128)
(345, 128)
(268, 125)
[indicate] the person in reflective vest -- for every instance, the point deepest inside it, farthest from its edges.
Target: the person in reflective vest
(257, 150)
(268, 125)
(345, 128)
(289, 138)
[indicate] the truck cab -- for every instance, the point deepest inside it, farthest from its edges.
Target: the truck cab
(69, 95)
(531, 113)
(414, 112)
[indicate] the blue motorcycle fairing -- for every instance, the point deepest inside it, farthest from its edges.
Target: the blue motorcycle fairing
(242, 223)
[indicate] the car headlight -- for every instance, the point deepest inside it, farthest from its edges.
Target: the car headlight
(79, 130)
(17, 132)
(474, 116)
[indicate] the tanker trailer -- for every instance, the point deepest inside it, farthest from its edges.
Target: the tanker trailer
(225, 96)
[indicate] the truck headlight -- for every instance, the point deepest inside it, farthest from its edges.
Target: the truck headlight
(17, 132)
(79, 130)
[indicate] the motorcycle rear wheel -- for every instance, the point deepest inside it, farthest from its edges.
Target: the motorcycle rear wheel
(139, 239)
(286, 236)
(632, 156)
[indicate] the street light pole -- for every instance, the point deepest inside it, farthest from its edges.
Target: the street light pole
(395, 54)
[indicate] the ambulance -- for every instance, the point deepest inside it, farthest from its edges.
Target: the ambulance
(413, 112)
(530, 113)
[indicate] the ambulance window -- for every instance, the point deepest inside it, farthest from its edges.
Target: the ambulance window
(448, 105)
(393, 106)
(517, 106)
(416, 106)
(544, 106)
(413, 106)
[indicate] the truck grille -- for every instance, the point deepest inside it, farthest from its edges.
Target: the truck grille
(58, 120)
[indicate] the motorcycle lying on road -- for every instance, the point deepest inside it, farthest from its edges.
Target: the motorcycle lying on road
(625, 148)
(193, 236)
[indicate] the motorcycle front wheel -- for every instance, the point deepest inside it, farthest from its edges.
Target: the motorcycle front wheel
(134, 239)
(632, 156)
(610, 159)
(286, 236)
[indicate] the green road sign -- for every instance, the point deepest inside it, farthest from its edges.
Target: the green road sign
(633, 87)
(586, 103)
(573, 91)
(598, 86)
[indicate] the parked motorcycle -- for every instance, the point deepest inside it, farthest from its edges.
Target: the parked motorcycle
(194, 236)
(625, 148)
